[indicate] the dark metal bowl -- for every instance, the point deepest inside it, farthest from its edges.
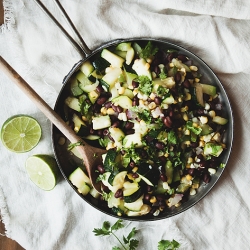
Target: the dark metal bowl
(67, 162)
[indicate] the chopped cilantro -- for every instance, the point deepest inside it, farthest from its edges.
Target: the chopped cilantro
(163, 75)
(195, 130)
(148, 51)
(85, 106)
(73, 145)
(163, 92)
(145, 85)
(168, 245)
(172, 138)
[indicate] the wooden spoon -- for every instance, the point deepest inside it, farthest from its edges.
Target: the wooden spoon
(91, 156)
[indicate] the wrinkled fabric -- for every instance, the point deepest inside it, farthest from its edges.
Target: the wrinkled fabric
(216, 31)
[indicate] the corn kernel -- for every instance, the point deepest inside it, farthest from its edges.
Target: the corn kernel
(76, 129)
(207, 106)
(178, 204)
(110, 111)
(187, 132)
(195, 124)
(190, 160)
(141, 102)
(103, 110)
(197, 79)
(153, 199)
(192, 191)
(171, 65)
(189, 177)
(147, 66)
(185, 117)
(184, 109)
(134, 169)
(203, 119)
(201, 144)
(188, 97)
(151, 105)
(212, 113)
(152, 96)
(135, 91)
(166, 155)
(211, 170)
(188, 166)
(195, 185)
(187, 143)
(193, 68)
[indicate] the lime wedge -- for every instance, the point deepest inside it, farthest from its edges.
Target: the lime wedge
(42, 170)
(20, 133)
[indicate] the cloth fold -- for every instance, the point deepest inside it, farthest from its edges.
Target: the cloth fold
(216, 31)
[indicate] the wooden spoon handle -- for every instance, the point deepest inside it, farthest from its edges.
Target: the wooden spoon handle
(40, 103)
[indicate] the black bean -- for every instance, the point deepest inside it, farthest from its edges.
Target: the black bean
(182, 58)
(157, 100)
(129, 125)
(147, 197)
(135, 84)
(130, 132)
(159, 145)
(101, 100)
(116, 124)
(118, 193)
(177, 77)
(163, 177)
(132, 164)
(167, 122)
(135, 175)
(186, 84)
(108, 105)
(206, 177)
(99, 88)
(100, 168)
(119, 109)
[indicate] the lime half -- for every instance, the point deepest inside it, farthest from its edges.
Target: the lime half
(20, 133)
(42, 170)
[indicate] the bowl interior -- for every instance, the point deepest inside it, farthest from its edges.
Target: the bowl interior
(68, 162)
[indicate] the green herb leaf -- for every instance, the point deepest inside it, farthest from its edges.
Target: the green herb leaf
(172, 138)
(168, 245)
(116, 248)
(163, 92)
(148, 51)
(117, 225)
(145, 85)
(104, 230)
(133, 244)
(73, 145)
(195, 130)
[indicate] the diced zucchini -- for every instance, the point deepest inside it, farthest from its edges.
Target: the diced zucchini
(100, 64)
(119, 179)
(142, 68)
(81, 181)
(75, 151)
(129, 93)
(134, 206)
(94, 76)
(94, 193)
(85, 84)
(87, 68)
(120, 53)
(167, 83)
(100, 122)
(73, 103)
(80, 127)
(74, 87)
(197, 94)
(212, 148)
(206, 129)
(220, 120)
(169, 170)
(112, 76)
(123, 101)
(130, 56)
(112, 201)
(124, 46)
(145, 209)
(132, 140)
(118, 135)
(177, 63)
(129, 78)
(93, 95)
(182, 188)
(92, 137)
(209, 89)
(131, 195)
(113, 59)
(169, 100)
(160, 189)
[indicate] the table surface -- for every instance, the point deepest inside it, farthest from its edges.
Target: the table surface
(6, 243)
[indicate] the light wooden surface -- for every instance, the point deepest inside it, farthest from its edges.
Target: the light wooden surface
(6, 243)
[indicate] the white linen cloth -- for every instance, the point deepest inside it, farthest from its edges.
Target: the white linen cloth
(217, 31)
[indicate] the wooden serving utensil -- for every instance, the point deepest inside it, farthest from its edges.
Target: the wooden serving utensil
(91, 156)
